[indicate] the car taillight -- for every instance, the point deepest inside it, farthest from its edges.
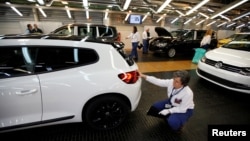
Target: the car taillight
(129, 77)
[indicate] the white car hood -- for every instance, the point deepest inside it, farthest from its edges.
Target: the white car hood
(230, 56)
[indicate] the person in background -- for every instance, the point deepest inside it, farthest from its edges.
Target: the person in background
(36, 29)
(135, 39)
(29, 29)
(205, 42)
(179, 106)
(145, 40)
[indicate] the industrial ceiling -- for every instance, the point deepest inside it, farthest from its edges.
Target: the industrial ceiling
(210, 10)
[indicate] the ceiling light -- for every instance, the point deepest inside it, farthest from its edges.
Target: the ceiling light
(224, 17)
(186, 22)
(126, 18)
(210, 10)
(125, 7)
(87, 14)
(231, 24)
(64, 2)
(106, 14)
(229, 7)
(68, 12)
(180, 12)
(14, 8)
(161, 18)
(240, 25)
(200, 22)
(221, 24)
(85, 3)
(211, 23)
(41, 2)
(175, 20)
(145, 16)
(204, 15)
(41, 11)
(197, 6)
(241, 16)
(163, 5)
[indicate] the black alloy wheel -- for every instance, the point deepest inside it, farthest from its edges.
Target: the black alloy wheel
(106, 112)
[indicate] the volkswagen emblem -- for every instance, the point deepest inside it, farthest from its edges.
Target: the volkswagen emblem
(218, 64)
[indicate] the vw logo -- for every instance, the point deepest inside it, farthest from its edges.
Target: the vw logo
(218, 64)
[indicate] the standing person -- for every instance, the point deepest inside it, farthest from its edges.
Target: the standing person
(179, 105)
(205, 42)
(135, 38)
(36, 29)
(145, 40)
(29, 29)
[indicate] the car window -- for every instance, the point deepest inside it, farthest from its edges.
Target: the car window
(105, 32)
(188, 35)
(200, 35)
(87, 31)
(16, 61)
(65, 31)
(57, 58)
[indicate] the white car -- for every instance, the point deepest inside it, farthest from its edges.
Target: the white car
(229, 65)
(54, 80)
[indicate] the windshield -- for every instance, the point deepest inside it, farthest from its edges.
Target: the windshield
(177, 33)
(241, 42)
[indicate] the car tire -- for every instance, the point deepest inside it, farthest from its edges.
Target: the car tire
(171, 52)
(106, 112)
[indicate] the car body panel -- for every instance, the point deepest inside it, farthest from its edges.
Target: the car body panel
(61, 95)
(20, 101)
(182, 41)
(228, 67)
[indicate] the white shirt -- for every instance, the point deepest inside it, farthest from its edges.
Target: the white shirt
(135, 37)
(206, 40)
(181, 101)
(144, 35)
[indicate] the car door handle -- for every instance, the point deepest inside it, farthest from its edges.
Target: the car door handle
(26, 92)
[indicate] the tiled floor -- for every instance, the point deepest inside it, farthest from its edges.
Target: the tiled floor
(213, 105)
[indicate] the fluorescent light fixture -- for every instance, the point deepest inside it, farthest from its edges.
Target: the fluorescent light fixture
(87, 14)
(106, 14)
(64, 2)
(161, 18)
(186, 22)
(125, 7)
(126, 18)
(145, 16)
(85, 3)
(211, 23)
(175, 20)
(210, 10)
(14, 8)
(221, 24)
(224, 17)
(240, 26)
(197, 6)
(231, 24)
(181, 14)
(68, 12)
(241, 16)
(204, 15)
(41, 2)
(231, 6)
(41, 11)
(163, 5)
(200, 22)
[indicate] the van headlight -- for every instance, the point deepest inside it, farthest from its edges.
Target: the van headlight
(245, 71)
